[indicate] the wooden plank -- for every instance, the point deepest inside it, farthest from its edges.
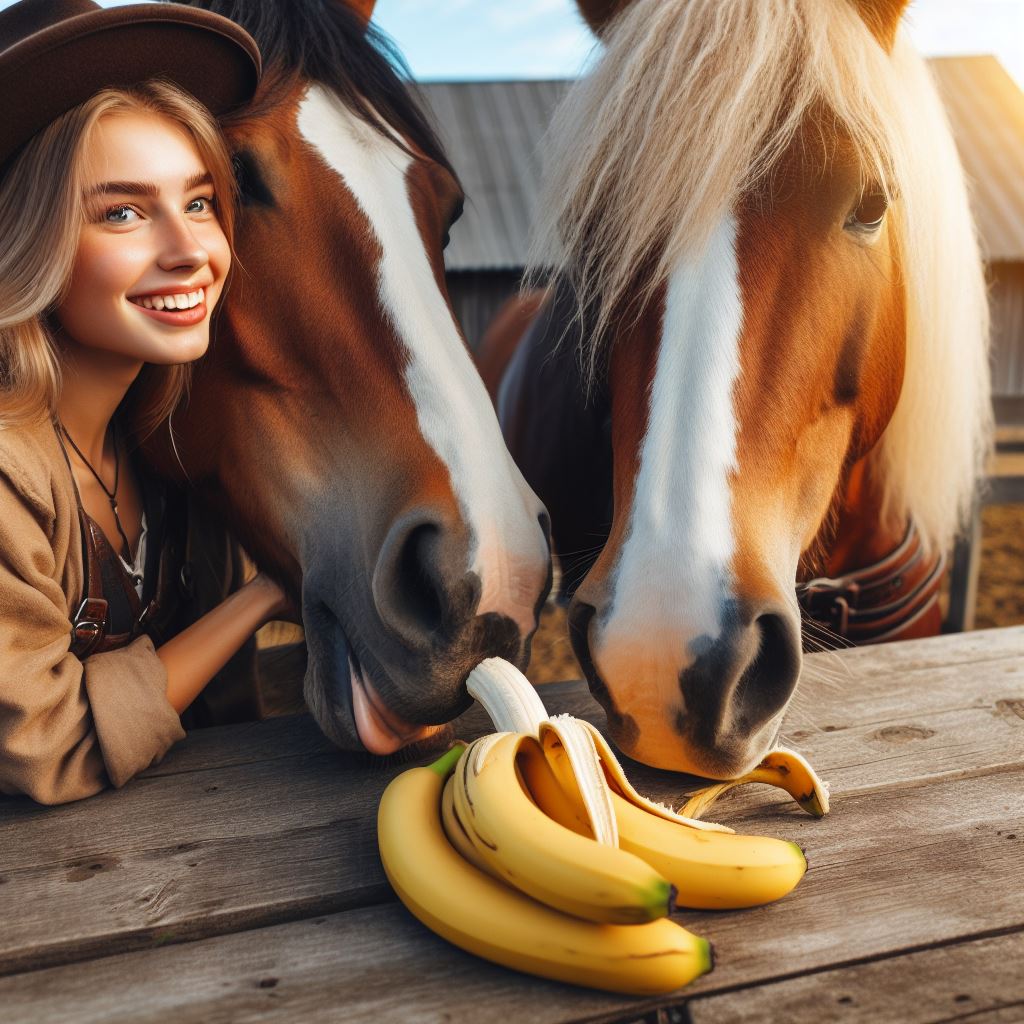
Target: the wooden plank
(933, 652)
(973, 981)
(296, 735)
(204, 851)
(922, 868)
(288, 736)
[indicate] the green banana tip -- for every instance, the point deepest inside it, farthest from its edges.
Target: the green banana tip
(446, 763)
(709, 957)
(802, 851)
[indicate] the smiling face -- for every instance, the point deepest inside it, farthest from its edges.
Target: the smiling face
(152, 257)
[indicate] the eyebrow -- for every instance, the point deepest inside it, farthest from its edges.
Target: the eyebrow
(144, 188)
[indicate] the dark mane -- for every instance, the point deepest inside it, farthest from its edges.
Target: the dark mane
(326, 42)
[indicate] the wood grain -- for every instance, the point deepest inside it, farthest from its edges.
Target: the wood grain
(935, 865)
(965, 981)
(244, 838)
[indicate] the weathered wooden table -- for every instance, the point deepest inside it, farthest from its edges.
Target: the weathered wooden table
(239, 880)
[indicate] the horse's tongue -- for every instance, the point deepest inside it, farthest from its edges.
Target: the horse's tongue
(378, 734)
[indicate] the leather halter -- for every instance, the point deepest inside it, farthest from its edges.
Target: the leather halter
(880, 602)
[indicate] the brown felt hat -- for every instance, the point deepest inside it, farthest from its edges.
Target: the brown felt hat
(55, 54)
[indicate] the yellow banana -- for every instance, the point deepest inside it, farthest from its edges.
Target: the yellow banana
(536, 854)
(547, 793)
(711, 870)
(456, 833)
(483, 916)
(783, 768)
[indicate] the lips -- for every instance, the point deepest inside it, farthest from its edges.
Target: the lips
(177, 317)
(380, 730)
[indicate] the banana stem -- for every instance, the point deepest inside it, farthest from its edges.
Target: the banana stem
(446, 763)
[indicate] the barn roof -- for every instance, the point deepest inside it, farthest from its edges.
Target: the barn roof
(493, 132)
(986, 110)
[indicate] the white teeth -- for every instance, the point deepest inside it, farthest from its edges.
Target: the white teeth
(179, 300)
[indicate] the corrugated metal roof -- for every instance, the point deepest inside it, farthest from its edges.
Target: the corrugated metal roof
(986, 110)
(493, 133)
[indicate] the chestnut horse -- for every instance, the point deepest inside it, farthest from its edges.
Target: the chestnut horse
(337, 423)
(763, 358)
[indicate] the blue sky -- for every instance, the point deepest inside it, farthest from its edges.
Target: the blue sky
(455, 39)
(459, 39)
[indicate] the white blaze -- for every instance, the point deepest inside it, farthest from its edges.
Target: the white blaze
(672, 574)
(454, 412)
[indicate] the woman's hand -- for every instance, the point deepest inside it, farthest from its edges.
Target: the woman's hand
(280, 606)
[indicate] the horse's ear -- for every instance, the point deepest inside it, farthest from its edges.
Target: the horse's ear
(364, 8)
(883, 18)
(597, 13)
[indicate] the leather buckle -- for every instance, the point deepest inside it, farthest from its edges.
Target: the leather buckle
(89, 620)
(821, 598)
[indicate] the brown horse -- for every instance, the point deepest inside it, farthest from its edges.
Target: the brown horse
(763, 358)
(338, 424)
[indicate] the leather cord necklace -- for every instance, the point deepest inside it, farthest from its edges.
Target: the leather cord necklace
(111, 495)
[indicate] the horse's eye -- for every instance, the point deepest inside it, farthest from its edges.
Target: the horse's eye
(870, 212)
(453, 217)
(252, 186)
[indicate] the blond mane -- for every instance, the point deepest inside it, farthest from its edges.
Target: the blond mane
(688, 111)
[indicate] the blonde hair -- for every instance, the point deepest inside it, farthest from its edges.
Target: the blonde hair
(688, 112)
(41, 216)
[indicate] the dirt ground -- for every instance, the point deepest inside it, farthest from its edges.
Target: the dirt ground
(1000, 603)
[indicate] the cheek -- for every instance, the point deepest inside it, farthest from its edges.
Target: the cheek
(215, 242)
(104, 269)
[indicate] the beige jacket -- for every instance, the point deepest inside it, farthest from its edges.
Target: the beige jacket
(69, 728)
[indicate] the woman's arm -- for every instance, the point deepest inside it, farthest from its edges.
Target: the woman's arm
(68, 728)
(196, 654)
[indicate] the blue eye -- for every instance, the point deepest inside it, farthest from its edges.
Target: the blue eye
(211, 203)
(118, 209)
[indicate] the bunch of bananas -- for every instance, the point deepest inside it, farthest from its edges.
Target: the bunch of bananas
(530, 847)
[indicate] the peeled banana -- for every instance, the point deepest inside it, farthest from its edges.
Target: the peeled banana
(534, 853)
(710, 870)
(531, 848)
(483, 916)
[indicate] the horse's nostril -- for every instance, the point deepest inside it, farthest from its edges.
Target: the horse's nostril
(417, 587)
(411, 583)
(772, 674)
(545, 524)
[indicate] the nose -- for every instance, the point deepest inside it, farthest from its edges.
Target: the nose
(180, 247)
(706, 712)
(743, 679)
(421, 585)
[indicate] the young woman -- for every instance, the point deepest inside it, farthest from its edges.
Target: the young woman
(116, 218)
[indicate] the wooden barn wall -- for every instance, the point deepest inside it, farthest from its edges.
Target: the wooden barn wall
(1006, 301)
(476, 296)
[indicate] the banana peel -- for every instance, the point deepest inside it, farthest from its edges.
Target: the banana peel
(783, 768)
(557, 739)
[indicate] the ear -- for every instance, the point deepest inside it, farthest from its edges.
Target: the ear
(883, 18)
(364, 8)
(598, 13)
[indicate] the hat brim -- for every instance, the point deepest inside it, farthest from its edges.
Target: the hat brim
(205, 54)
